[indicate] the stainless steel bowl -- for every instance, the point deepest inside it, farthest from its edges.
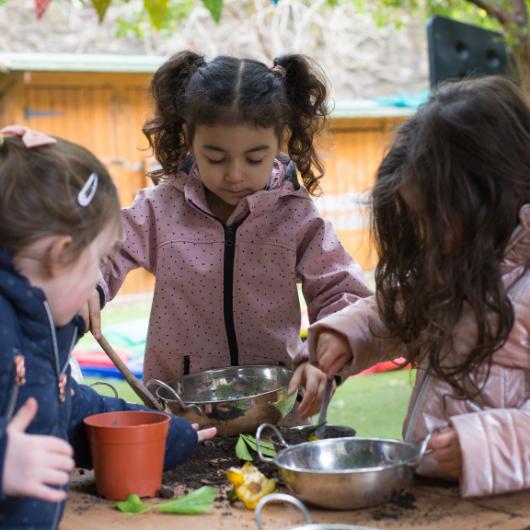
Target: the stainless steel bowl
(235, 399)
(345, 473)
(309, 525)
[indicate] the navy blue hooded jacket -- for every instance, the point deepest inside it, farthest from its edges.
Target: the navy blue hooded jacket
(26, 328)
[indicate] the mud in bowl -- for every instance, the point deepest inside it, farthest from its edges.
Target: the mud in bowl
(127, 449)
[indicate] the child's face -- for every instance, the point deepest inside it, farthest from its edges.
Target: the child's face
(67, 286)
(75, 282)
(234, 161)
(414, 201)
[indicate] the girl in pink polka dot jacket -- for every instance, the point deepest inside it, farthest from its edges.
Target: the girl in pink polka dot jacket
(228, 230)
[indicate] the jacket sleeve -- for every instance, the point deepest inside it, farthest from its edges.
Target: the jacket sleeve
(138, 246)
(181, 440)
(495, 450)
(8, 389)
(362, 327)
(330, 278)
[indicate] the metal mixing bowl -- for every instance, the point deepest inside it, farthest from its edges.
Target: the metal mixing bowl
(345, 473)
(309, 525)
(235, 399)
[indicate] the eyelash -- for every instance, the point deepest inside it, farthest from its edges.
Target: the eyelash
(251, 162)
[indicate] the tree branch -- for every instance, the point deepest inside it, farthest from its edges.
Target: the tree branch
(520, 10)
(496, 11)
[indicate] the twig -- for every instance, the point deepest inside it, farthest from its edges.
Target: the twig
(496, 11)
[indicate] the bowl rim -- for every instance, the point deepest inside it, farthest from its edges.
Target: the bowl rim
(232, 400)
(332, 441)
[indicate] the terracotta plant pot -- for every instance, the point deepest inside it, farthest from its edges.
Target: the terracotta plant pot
(127, 449)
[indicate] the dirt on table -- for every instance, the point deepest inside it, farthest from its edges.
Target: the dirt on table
(208, 465)
(212, 458)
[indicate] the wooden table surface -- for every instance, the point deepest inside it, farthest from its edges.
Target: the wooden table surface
(438, 507)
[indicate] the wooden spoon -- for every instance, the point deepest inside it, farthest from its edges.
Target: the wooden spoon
(139, 388)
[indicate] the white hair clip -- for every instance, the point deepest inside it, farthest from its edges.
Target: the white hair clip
(87, 192)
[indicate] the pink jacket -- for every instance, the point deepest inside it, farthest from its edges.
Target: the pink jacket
(227, 295)
(494, 429)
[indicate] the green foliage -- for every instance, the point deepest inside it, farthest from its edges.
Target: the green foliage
(196, 502)
(139, 22)
(101, 7)
(246, 442)
(158, 11)
(132, 504)
(395, 12)
(215, 7)
(242, 451)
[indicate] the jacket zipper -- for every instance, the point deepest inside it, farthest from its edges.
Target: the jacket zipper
(228, 291)
(59, 371)
(228, 282)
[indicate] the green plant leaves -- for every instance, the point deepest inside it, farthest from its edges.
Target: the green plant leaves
(101, 7)
(215, 7)
(132, 504)
(242, 451)
(158, 11)
(247, 441)
(196, 502)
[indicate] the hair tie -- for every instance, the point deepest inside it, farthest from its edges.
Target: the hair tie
(87, 192)
(29, 137)
(279, 70)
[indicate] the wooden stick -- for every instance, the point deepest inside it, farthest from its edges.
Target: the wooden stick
(139, 388)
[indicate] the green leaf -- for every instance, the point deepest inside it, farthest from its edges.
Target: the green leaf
(198, 501)
(158, 11)
(267, 448)
(132, 504)
(101, 7)
(242, 451)
(215, 7)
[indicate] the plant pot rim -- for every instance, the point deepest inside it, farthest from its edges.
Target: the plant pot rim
(92, 420)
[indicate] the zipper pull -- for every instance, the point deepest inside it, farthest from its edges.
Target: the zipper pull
(229, 236)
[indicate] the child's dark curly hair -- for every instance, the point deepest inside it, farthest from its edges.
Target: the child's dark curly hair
(291, 97)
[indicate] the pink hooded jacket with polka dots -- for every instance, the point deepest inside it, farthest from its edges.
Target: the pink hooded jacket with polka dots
(226, 294)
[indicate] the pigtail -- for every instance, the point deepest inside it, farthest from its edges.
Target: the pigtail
(306, 91)
(165, 131)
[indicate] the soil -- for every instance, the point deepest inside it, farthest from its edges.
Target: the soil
(394, 509)
(211, 459)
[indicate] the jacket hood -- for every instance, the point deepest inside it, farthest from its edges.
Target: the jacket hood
(282, 183)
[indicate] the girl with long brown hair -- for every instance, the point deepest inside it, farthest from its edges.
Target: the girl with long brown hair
(451, 217)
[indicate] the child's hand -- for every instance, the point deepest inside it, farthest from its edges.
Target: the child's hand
(446, 450)
(333, 352)
(34, 463)
(313, 381)
(204, 434)
(91, 314)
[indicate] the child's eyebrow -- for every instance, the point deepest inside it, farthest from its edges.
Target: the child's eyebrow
(263, 147)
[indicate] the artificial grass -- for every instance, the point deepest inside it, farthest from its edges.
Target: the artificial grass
(374, 405)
